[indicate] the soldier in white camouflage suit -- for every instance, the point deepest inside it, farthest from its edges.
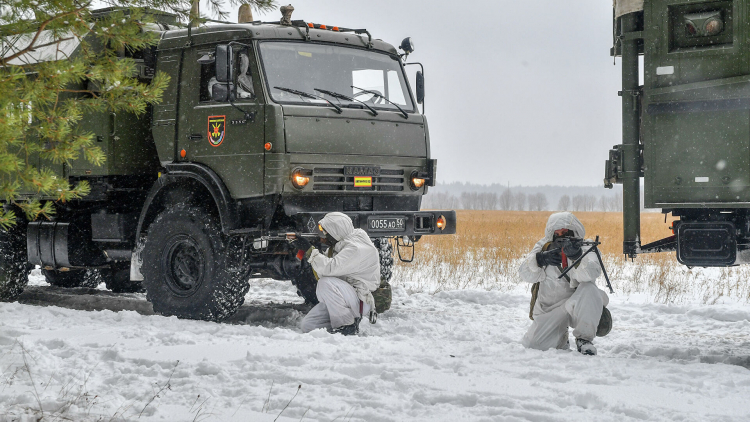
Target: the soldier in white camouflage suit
(346, 279)
(572, 301)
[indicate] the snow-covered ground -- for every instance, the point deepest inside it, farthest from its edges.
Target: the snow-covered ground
(450, 356)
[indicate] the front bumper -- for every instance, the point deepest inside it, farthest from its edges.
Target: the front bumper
(415, 223)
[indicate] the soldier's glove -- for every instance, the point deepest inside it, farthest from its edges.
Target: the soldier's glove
(572, 249)
(551, 257)
(301, 243)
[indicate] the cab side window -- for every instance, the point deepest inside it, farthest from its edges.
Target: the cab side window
(208, 78)
(244, 82)
(245, 88)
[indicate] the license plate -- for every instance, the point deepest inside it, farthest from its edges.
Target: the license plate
(361, 171)
(386, 224)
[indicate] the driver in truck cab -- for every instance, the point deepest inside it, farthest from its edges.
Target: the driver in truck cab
(347, 275)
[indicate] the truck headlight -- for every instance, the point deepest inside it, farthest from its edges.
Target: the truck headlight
(300, 177)
(416, 182)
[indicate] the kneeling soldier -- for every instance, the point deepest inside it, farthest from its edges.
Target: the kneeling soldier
(571, 301)
(346, 278)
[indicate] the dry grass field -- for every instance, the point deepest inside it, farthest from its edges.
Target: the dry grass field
(486, 250)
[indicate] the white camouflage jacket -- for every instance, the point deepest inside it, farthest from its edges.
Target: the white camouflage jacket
(355, 259)
(554, 291)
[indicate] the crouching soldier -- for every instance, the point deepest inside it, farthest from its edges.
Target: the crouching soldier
(346, 278)
(571, 301)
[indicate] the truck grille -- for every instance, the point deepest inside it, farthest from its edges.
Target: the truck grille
(333, 179)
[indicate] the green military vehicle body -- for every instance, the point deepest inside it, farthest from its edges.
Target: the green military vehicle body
(263, 129)
(686, 130)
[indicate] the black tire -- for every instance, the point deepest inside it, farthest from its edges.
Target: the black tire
(184, 267)
(306, 284)
(385, 249)
(117, 279)
(14, 268)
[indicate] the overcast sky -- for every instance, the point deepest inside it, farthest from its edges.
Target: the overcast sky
(516, 91)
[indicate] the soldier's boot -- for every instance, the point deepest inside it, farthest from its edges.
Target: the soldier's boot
(585, 347)
(348, 330)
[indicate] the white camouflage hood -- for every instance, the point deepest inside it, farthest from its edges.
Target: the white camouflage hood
(338, 224)
(563, 220)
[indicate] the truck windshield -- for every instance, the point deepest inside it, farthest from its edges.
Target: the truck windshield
(306, 67)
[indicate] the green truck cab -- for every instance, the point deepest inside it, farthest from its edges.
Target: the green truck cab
(264, 128)
(686, 130)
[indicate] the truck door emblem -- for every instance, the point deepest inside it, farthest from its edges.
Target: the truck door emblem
(216, 130)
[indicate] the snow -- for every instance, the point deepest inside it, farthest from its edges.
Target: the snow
(450, 356)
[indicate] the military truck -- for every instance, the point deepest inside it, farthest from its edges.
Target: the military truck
(686, 130)
(264, 128)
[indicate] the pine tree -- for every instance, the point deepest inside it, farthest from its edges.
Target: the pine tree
(58, 63)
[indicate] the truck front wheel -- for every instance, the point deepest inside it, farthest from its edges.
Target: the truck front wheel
(385, 250)
(184, 267)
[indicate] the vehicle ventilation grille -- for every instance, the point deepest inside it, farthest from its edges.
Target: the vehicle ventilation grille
(333, 179)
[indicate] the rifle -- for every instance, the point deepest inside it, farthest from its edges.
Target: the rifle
(593, 247)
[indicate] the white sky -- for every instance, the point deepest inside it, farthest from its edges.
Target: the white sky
(516, 91)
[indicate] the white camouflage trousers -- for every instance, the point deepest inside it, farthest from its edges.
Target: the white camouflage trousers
(581, 311)
(338, 306)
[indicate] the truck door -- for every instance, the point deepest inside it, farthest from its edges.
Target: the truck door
(218, 134)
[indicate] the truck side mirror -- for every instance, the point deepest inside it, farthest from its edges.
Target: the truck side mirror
(420, 87)
(222, 92)
(224, 65)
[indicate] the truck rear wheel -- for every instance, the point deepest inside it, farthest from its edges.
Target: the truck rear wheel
(184, 267)
(14, 268)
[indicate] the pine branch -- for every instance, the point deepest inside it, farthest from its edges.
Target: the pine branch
(5, 60)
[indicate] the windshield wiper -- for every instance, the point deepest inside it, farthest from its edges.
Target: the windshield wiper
(406, 116)
(347, 98)
(306, 95)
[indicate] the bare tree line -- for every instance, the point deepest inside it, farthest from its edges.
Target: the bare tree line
(520, 201)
